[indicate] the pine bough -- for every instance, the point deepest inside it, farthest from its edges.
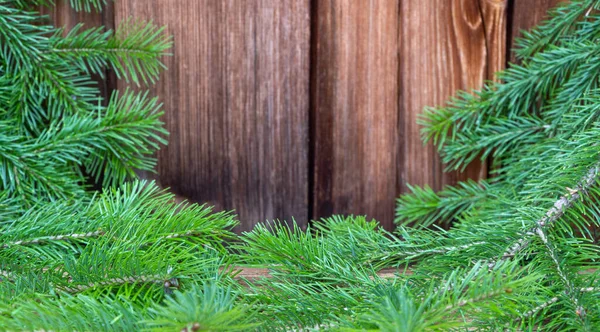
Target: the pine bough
(521, 252)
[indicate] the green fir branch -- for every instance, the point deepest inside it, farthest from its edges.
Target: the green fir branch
(133, 51)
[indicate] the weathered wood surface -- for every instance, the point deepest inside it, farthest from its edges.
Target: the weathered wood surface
(355, 108)
(444, 46)
(236, 97)
(306, 108)
(494, 14)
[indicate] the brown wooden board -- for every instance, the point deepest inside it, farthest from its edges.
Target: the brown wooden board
(354, 107)
(494, 14)
(308, 108)
(444, 46)
(236, 97)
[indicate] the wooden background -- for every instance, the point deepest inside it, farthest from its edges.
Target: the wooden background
(307, 108)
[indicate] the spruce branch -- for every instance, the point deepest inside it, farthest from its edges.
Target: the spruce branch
(133, 51)
(444, 250)
(493, 118)
(118, 281)
(496, 139)
(29, 4)
(87, 5)
(557, 210)
(423, 207)
(22, 38)
(31, 79)
(65, 237)
(540, 127)
(449, 302)
(482, 297)
(111, 146)
(140, 261)
(205, 307)
(533, 311)
(539, 308)
(562, 21)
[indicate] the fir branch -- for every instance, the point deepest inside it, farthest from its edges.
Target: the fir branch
(497, 113)
(133, 52)
(22, 38)
(423, 207)
(87, 5)
(539, 308)
(478, 298)
(562, 20)
(118, 281)
(566, 280)
(112, 146)
(558, 209)
(29, 4)
(532, 312)
(123, 251)
(205, 307)
(498, 138)
(40, 311)
(407, 249)
(64, 237)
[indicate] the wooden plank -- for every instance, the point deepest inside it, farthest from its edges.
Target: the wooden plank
(524, 15)
(236, 97)
(445, 46)
(494, 14)
(354, 107)
(62, 15)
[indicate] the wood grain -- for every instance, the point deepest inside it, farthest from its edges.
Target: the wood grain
(525, 14)
(494, 14)
(354, 107)
(62, 15)
(444, 46)
(248, 134)
(236, 97)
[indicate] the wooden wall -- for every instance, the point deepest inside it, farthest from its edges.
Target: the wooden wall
(307, 108)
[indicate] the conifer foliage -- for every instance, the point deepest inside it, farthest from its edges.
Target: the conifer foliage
(521, 251)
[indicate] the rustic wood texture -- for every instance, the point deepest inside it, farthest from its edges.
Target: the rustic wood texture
(494, 14)
(236, 97)
(444, 46)
(62, 15)
(307, 108)
(354, 107)
(525, 14)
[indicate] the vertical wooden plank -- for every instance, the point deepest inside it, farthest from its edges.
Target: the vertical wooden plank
(62, 15)
(445, 46)
(354, 107)
(236, 99)
(494, 14)
(525, 14)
